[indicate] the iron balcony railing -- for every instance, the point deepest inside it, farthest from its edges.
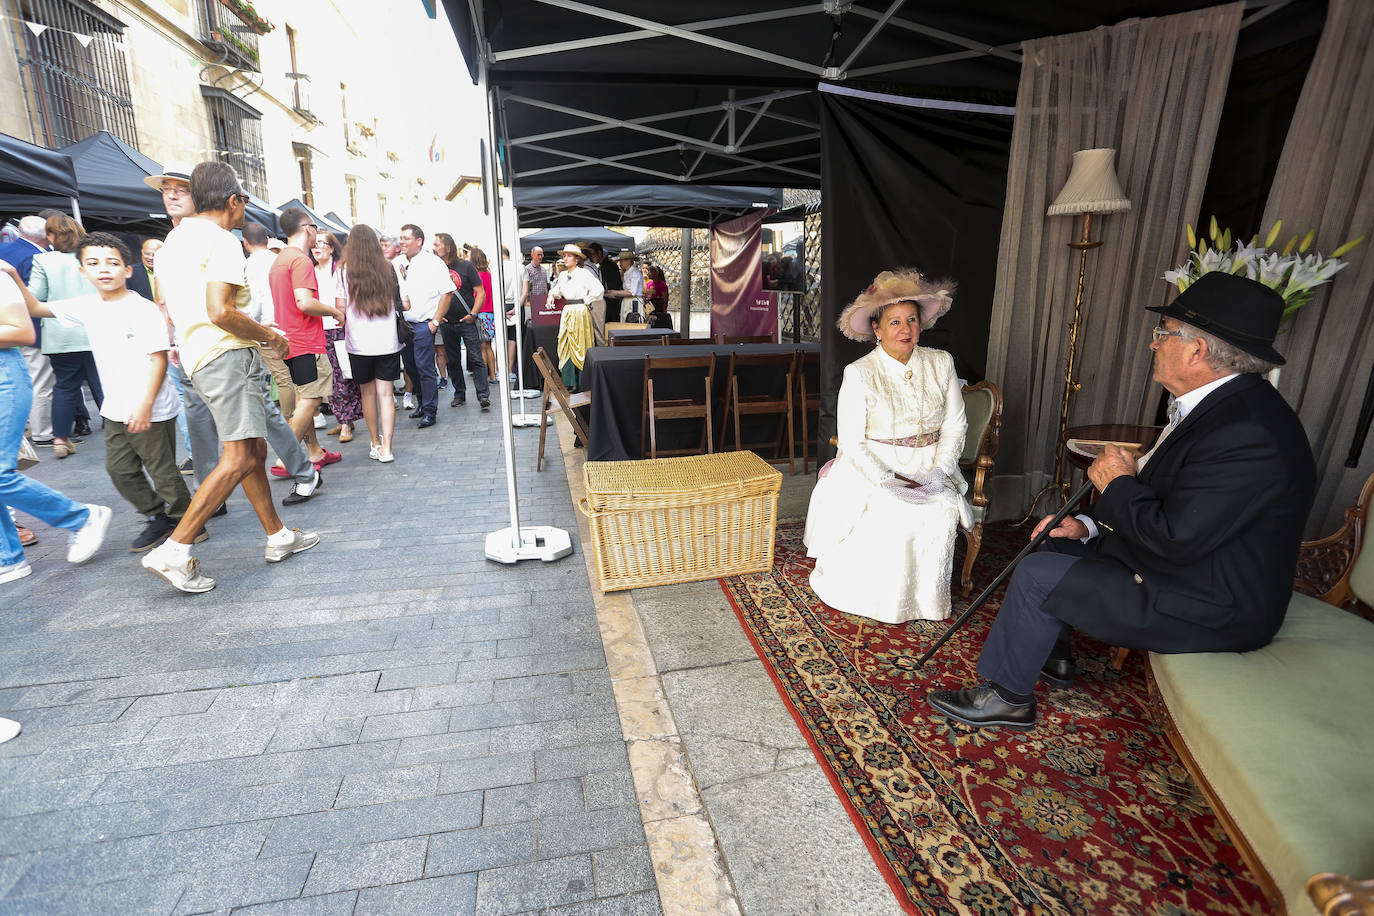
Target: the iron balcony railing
(225, 30)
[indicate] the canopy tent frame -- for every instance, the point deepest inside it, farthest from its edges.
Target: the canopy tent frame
(888, 43)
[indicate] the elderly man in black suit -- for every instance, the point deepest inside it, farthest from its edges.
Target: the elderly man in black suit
(1190, 549)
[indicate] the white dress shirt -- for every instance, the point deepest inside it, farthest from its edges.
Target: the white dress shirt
(1179, 408)
(424, 285)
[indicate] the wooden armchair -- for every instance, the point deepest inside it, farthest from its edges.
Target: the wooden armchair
(983, 408)
(1327, 566)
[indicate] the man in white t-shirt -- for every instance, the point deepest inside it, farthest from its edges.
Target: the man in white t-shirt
(426, 289)
(261, 254)
(129, 342)
(201, 273)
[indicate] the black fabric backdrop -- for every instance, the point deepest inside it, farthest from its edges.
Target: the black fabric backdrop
(922, 188)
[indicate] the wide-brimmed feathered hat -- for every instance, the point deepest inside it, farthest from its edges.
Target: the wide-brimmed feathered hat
(932, 297)
(1243, 312)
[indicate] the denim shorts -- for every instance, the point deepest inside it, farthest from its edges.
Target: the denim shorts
(231, 388)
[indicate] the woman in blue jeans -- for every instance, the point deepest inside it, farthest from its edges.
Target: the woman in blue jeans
(85, 524)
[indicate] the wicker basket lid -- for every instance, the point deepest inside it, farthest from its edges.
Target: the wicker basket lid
(623, 484)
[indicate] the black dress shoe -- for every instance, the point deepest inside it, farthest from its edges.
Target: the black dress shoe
(982, 706)
(1059, 671)
(425, 423)
(417, 413)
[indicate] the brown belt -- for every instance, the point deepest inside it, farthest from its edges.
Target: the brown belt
(921, 440)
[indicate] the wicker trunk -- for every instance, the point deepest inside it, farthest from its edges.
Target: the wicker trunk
(670, 520)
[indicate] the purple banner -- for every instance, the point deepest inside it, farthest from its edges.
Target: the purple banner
(739, 304)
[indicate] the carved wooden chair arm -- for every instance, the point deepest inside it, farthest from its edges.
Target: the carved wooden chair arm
(1341, 895)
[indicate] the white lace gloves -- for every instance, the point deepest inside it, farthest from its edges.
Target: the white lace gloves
(926, 488)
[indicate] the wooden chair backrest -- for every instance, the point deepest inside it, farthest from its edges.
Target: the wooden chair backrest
(553, 384)
(639, 341)
(744, 339)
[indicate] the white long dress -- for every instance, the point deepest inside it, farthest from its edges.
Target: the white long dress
(878, 553)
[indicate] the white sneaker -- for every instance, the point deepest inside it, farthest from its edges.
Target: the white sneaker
(8, 729)
(408, 402)
(373, 453)
(300, 540)
(87, 541)
(186, 577)
(15, 571)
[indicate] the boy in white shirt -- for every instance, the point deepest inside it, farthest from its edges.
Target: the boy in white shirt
(130, 342)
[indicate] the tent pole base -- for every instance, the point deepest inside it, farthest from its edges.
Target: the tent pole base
(528, 420)
(521, 393)
(539, 542)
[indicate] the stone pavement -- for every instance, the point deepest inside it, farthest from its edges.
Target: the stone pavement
(387, 723)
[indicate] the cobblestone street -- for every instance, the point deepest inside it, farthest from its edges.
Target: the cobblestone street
(386, 723)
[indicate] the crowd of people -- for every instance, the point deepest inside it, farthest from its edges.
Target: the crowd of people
(224, 340)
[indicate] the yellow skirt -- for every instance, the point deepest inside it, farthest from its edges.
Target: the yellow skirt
(574, 336)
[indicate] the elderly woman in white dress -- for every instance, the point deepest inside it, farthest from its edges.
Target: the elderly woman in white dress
(882, 517)
(580, 289)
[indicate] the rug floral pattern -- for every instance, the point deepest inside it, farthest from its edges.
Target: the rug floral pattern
(1089, 812)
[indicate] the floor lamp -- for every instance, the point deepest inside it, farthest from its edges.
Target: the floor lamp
(1092, 188)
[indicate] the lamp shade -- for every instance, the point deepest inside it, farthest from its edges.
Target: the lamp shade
(1092, 186)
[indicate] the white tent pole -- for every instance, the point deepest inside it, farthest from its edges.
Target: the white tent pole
(509, 545)
(76, 210)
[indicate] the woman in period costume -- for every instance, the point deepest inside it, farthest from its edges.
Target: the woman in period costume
(882, 517)
(578, 287)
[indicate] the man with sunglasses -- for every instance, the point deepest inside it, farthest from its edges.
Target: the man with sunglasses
(1189, 548)
(200, 269)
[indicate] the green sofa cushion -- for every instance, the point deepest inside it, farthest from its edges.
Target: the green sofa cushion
(1285, 736)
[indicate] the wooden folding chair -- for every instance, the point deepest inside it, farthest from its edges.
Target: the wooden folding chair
(554, 389)
(640, 341)
(744, 339)
(808, 398)
(687, 341)
(766, 389)
(657, 407)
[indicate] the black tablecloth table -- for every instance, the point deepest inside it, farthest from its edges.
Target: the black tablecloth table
(615, 378)
(631, 333)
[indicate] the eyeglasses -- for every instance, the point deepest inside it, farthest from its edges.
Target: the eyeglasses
(1159, 332)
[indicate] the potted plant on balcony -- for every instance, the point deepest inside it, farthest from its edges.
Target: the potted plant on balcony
(246, 12)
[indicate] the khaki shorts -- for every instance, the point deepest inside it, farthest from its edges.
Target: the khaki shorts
(323, 386)
(231, 386)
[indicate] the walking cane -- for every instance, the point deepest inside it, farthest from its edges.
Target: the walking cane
(1002, 576)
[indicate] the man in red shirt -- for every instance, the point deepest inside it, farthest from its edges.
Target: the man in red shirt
(295, 300)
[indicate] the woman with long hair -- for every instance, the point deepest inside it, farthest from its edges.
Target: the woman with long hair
(344, 401)
(485, 316)
(57, 275)
(374, 350)
(446, 249)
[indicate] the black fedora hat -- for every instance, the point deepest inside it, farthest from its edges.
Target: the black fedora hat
(1240, 311)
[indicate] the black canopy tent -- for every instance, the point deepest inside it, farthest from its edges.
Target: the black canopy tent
(638, 205)
(726, 92)
(323, 222)
(553, 239)
(109, 174)
(34, 177)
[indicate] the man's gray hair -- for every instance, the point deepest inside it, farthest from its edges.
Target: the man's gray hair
(388, 238)
(1223, 356)
(34, 228)
(212, 184)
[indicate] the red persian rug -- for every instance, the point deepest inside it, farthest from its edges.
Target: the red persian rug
(1089, 812)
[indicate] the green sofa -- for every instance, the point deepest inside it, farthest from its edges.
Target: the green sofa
(1282, 739)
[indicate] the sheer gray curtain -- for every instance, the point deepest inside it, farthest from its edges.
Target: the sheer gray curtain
(1325, 180)
(1152, 89)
